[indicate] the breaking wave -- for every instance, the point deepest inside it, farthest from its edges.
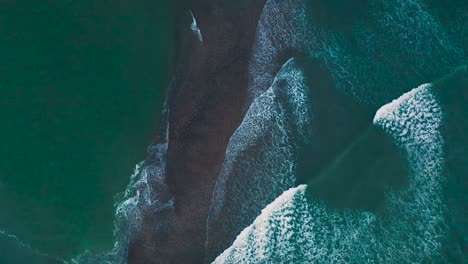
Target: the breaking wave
(295, 228)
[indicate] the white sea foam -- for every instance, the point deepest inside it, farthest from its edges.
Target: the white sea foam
(195, 29)
(20, 244)
(294, 229)
(395, 44)
(145, 192)
(259, 162)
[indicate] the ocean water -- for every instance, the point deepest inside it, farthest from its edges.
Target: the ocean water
(373, 55)
(82, 86)
(420, 222)
(301, 229)
(351, 146)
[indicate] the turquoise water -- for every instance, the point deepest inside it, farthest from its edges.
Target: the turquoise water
(81, 90)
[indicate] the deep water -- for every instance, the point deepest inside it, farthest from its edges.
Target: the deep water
(82, 84)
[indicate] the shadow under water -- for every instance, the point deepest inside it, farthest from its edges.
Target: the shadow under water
(359, 176)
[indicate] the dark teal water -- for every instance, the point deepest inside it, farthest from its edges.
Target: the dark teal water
(82, 85)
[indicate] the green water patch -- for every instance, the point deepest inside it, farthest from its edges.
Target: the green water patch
(81, 88)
